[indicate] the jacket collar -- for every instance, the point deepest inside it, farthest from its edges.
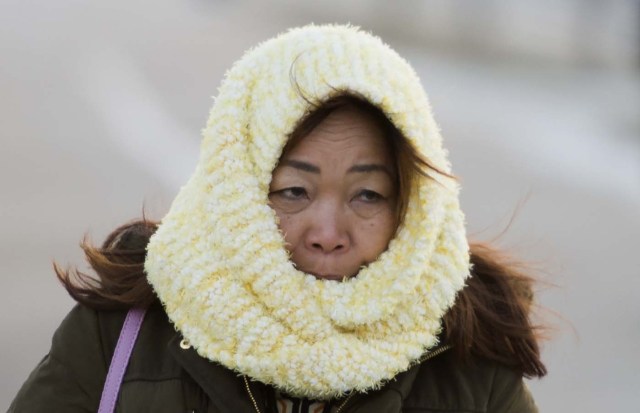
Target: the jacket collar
(225, 388)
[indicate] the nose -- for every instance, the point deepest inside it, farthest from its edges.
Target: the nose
(328, 231)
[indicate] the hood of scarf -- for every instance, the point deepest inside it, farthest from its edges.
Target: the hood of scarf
(219, 264)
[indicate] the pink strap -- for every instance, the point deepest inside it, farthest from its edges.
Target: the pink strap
(121, 355)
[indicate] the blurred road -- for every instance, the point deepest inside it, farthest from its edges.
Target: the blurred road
(101, 108)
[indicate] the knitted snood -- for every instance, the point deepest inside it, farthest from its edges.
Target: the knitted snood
(218, 262)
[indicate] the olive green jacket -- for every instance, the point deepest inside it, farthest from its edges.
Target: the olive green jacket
(164, 377)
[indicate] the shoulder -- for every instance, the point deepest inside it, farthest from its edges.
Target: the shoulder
(71, 376)
(83, 339)
(87, 334)
(479, 385)
(86, 340)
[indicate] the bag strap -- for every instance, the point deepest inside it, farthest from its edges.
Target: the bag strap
(120, 360)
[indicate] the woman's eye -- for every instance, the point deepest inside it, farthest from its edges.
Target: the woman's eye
(293, 193)
(367, 195)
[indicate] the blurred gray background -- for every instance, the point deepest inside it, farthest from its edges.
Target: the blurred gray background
(102, 105)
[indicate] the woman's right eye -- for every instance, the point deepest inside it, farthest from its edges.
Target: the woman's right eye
(293, 193)
(289, 200)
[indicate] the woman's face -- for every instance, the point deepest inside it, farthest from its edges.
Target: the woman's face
(335, 196)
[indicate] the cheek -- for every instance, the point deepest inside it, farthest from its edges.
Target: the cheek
(375, 235)
(288, 226)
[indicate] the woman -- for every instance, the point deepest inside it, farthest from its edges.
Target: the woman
(316, 260)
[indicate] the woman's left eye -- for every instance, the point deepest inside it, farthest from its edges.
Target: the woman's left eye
(368, 195)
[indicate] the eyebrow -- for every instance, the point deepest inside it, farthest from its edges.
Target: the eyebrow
(370, 167)
(303, 166)
(363, 168)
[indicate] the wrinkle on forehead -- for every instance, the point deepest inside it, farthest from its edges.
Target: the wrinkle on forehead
(348, 126)
(348, 123)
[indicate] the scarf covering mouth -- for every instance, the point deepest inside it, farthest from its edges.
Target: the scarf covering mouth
(219, 264)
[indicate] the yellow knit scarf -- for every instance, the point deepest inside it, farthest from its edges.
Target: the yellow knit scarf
(218, 262)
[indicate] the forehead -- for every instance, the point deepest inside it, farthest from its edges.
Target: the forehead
(345, 130)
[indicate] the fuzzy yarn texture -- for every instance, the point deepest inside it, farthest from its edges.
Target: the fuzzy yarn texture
(218, 261)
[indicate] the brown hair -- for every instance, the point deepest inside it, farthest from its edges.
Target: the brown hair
(491, 315)
(119, 264)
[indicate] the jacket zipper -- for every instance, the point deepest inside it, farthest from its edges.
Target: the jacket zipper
(344, 403)
(428, 356)
(434, 353)
(253, 400)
